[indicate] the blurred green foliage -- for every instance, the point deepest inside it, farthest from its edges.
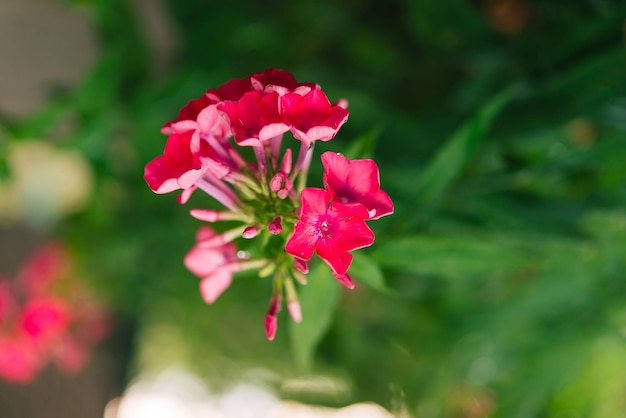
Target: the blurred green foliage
(497, 289)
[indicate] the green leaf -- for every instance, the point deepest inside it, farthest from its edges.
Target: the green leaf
(4, 163)
(363, 146)
(452, 257)
(318, 300)
(369, 273)
(452, 157)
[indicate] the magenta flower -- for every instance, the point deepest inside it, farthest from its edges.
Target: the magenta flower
(356, 181)
(332, 229)
(311, 116)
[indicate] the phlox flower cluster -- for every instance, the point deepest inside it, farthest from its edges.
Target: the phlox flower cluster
(229, 144)
(47, 317)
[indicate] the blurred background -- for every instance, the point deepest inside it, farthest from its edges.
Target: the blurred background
(497, 289)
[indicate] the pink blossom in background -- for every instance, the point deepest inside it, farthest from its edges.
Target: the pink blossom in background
(47, 315)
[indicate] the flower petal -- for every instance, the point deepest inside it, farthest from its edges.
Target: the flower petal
(338, 259)
(212, 286)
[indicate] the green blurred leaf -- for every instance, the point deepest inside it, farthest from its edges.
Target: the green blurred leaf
(452, 157)
(318, 300)
(453, 257)
(582, 89)
(369, 273)
(363, 146)
(4, 163)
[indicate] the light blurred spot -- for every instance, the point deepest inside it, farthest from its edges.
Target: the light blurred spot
(45, 183)
(482, 370)
(326, 386)
(180, 394)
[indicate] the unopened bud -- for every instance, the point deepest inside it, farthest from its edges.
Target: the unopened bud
(301, 265)
(271, 318)
(275, 226)
(271, 325)
(250, 232)
(276, 183)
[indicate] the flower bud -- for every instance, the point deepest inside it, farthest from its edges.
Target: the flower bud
(275, 226)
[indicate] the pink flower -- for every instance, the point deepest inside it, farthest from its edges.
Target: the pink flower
(254, 118)
(356, 181)
(332, 229)
(184, 161)
(70, 355)
(311, 116)
(213, 261)
(44, 268)
(45, 318)
(20, 360)
(45, 315)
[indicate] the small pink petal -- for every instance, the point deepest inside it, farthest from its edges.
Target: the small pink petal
(211, 287)
(294, 310)
(207, 215)
(345, 280)
(185, 195)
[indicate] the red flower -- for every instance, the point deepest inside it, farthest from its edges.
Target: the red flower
(254, 118)
(189, 112)
(356, 181)
(184, 161)
(332, 229)
(231, 90)
(311, 116)
(279, 81)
